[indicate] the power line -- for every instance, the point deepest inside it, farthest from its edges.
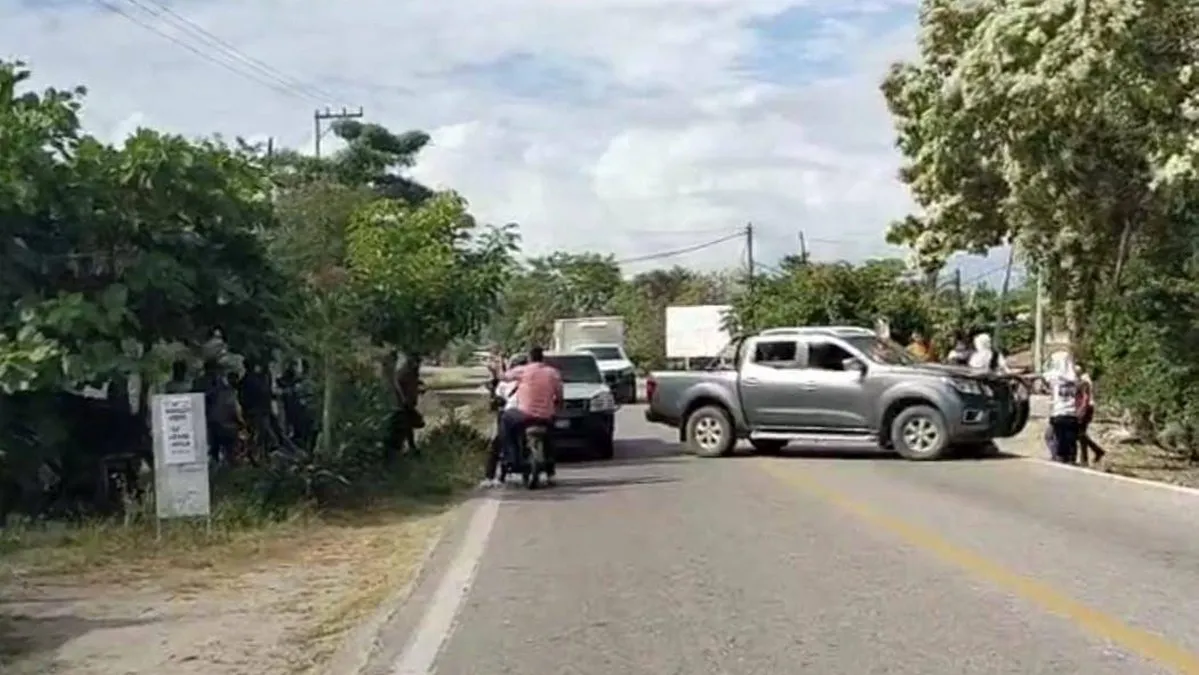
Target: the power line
(274, 84)
(162, 11)
(681, 251)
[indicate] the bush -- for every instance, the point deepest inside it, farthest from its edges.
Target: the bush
(1145, 348)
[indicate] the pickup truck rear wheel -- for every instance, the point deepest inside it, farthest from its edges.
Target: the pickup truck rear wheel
(710, 432)
(919, 433)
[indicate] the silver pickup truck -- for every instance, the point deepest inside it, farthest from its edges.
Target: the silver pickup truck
(835, 384)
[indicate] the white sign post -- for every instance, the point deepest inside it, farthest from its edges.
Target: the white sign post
(181, 487)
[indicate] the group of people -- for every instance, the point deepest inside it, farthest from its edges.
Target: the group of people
(239, 406)
(528, 392)
(983, 355)
(1072, 408)
(1072, 402)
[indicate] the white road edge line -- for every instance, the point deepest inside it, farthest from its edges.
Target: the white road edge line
(1144, 482)
(438, 622)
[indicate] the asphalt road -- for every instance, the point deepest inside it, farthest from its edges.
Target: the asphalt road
(817, 562)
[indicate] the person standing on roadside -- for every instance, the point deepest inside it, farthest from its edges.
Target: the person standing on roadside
(1063, 382)
(1089, 451)
(985, 356)
(178, 384)
(221, 409)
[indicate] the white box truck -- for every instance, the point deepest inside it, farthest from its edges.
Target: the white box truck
(603, 338)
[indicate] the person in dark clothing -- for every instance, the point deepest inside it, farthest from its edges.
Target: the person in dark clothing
(1089, 451)
(256, 398)
(298, 417)
(221, 409)
(960, 354)
(178, 384)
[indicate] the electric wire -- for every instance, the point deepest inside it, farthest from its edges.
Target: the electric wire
(163, 11)
(279, 86)
(679, 251)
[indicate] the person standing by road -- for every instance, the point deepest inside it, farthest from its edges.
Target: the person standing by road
(985, 356)
(1063, 381)
(1089, 451)
(179, 383)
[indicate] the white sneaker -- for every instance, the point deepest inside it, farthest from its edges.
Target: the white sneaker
(487, 483)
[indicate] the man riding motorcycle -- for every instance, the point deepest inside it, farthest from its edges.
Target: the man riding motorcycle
(538, 397)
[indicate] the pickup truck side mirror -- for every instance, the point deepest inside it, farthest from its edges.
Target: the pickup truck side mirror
(853, 365)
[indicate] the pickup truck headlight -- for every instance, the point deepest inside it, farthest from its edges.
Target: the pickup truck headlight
(968, 387)
(603, 402)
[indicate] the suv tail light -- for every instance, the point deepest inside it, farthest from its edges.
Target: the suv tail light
(650, 385)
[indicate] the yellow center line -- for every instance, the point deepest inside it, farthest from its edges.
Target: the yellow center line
(1135, 640)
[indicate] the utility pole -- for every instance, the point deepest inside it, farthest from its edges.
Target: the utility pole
(319, 116)
(1007, 279)
(750, 320)
(749, 252)
(1038, 323)
(957, 292)
(803, 248)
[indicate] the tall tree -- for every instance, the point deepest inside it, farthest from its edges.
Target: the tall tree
(426, 274)
(1064, 127)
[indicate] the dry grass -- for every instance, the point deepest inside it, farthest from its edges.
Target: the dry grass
(1149, 462)
(256, 593)
(277, 601)
(1137, 460)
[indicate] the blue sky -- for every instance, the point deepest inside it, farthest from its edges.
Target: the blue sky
(622, 126)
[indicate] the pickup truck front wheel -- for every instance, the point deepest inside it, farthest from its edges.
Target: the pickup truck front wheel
(919, 433)
(710, 432)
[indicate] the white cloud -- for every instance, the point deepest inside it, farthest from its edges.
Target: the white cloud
(666, 128)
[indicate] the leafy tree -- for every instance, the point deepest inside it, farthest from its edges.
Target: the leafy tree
(107, 256)
(373, 157)
(1065, 127)
(643, 301)
(822, 294)
(111, 251)
(557, 286)
(426, 274)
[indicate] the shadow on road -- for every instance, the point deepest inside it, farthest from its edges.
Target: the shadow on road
(824, 452)
(572, 487)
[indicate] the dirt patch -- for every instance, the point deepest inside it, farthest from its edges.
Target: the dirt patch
(282, 609)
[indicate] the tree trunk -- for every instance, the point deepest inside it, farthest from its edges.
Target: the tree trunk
(328, 400)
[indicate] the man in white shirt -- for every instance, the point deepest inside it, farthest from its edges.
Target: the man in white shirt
(985, 356)
(1063, 381)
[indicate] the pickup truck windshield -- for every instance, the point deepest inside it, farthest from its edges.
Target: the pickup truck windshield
(604, 353)
(887, 352)
(581, 368)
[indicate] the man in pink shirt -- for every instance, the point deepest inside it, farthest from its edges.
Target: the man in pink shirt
(538, 396)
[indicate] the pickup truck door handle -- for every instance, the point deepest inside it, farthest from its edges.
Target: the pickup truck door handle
(750, 380)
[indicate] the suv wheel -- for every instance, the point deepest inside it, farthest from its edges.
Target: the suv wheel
(919, 433)
(710, 432)
(768, 447)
